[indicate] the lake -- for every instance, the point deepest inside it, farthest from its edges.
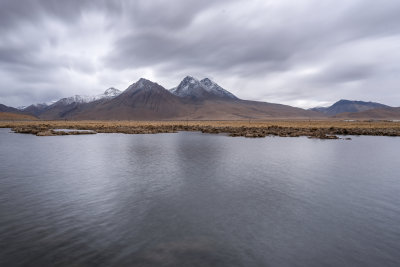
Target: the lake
(192, 199)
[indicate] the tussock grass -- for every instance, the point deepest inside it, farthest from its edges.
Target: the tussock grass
(250, 123)
(289, 128)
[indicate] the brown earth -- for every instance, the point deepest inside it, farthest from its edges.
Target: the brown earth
(8, 116)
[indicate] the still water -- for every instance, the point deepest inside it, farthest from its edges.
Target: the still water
(192, 199)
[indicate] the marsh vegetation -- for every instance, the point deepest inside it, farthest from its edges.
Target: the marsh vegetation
(323, 129)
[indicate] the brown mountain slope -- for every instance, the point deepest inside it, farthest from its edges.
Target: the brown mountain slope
(8, 116)
(381, 114)
(243, 110)
(182, 110)
(59, 111)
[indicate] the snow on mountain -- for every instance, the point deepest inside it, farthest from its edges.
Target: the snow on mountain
(50, 102)
(75, 99)
(191, 87)
(215, 89)
(42, 105)
(108, 94)
(142, 84)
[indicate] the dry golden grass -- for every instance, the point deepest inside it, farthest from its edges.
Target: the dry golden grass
(250, 123)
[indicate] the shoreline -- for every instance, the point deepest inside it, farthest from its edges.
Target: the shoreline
(320, 129)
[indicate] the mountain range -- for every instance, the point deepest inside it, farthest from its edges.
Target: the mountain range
(191, 99)
(349, 106)
(4, 108)
(377, 113)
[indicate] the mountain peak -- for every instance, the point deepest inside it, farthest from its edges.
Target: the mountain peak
(190, 79)
(216, 90)
(189, 87)
(206, 88)
(344, 101)
(143, 85)
(206, 80)
(111, 92)
(144, 80)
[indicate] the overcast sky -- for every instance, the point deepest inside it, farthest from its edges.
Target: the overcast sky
(303, 53)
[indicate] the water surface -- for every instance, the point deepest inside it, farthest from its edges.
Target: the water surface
(192, 199)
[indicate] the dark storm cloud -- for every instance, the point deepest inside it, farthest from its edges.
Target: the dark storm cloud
(297, 52)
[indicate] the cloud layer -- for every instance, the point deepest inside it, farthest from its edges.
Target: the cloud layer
(303, 53)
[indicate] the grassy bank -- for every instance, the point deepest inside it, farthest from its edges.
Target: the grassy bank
(324, 129)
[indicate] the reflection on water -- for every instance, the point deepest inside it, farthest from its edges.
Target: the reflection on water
(190, 199)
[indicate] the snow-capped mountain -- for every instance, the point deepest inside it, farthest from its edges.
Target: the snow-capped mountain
(193, 88)
(189, 87)
(79, 99)
(141, 85)
(75, 99)
(110, 93)
(215, 89)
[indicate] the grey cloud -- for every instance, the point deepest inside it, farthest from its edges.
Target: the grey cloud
(167, 14)
(371, 18)
(23, 59)
(344, 73)
(264, 46)
(216, 48)
(224, 44)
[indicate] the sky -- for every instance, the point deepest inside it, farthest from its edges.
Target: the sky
(302, 53)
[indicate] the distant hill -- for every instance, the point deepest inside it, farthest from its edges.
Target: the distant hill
(191, 99)
(4, 108)
(7, 116)
(35, 109)
(348, 106)
(378, 114)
